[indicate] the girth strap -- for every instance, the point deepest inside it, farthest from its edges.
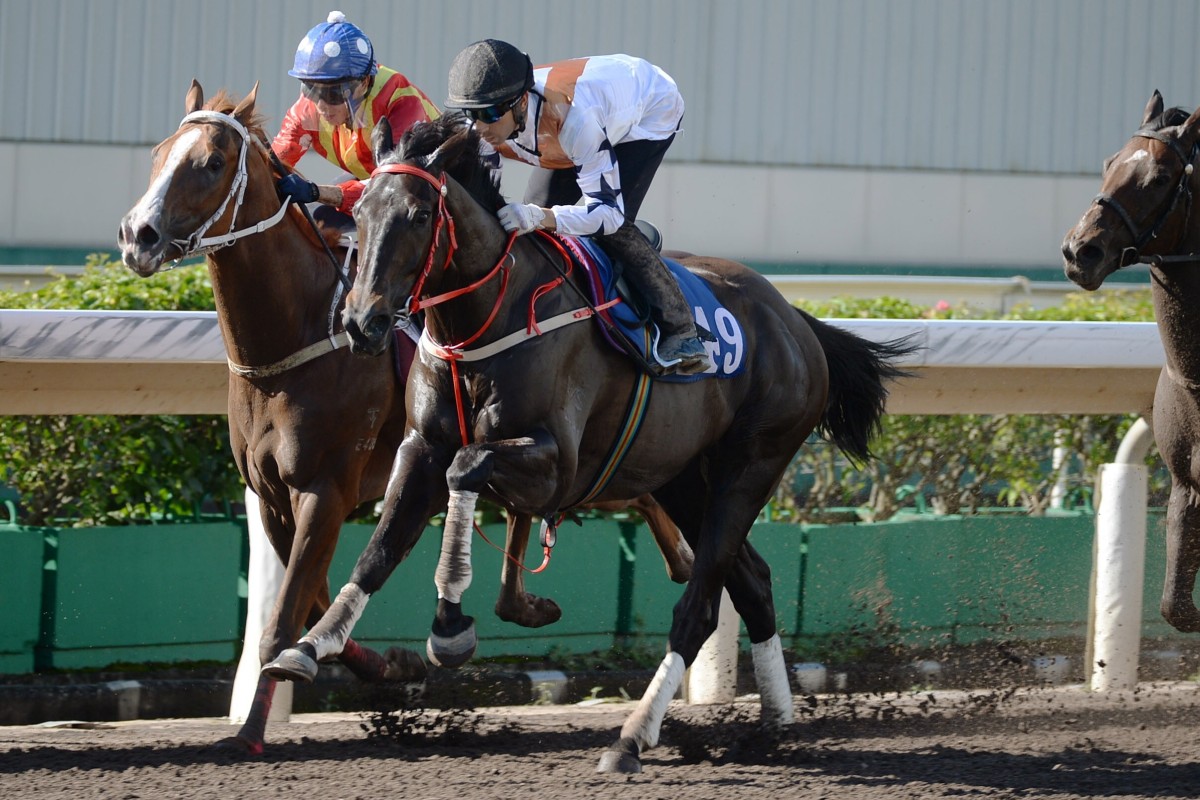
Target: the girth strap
(635, 414)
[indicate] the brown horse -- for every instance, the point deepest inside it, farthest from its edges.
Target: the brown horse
(1145, 214)
(313, 427)
(530, 425)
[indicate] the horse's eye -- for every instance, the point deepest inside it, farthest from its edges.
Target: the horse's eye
(215, 164)
(1161, 179)
(421, 216)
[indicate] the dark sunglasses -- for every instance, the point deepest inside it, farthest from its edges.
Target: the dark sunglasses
(491, 114)
(333, 94)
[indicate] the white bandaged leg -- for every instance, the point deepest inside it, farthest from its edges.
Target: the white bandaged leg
(645, 722)
(328, 637)
(770, 672)
(453, 574)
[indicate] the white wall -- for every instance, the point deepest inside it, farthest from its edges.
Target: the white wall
(74, 196)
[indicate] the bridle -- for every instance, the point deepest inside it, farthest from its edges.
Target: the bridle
(1182, 194)
(444, 220)
(197, 244)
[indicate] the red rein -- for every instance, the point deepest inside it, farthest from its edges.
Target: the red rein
(416, 304)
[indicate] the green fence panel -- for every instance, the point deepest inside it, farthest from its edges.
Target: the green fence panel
(652, 595)
(655, 596)
(144, 594)
(782, 547)
(20, 597)
(962, 580)
(1153, 624)
(170, 592)
(582, 578)
(1029, 574)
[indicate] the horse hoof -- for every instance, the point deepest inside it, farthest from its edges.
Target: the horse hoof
(451, 652)
(620, 759)
(403, 666)
(292, 664)
(533, 612)
(236, 745)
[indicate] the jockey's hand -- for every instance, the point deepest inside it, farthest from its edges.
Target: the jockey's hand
(297, 188)
(520, 217)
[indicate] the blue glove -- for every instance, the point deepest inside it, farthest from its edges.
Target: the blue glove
(297, 188)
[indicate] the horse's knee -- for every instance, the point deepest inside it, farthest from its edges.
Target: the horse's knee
(470, 470)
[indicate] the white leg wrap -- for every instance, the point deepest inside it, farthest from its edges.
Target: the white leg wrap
(329, 635)
(453, 574)
(770, 672)
(645, 722)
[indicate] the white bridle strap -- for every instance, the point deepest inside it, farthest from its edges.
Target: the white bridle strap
(196, 244)
(500, 345)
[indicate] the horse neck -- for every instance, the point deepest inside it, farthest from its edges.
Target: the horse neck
(481, 247)
(1176, 293)
(1175, 289)
(272, 289)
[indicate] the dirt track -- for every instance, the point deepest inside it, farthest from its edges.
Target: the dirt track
(1041, 743)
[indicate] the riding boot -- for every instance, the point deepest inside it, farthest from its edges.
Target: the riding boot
(680, 349)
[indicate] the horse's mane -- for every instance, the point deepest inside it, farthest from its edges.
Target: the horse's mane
(1168, 119)
(224, 103)
(457, 146)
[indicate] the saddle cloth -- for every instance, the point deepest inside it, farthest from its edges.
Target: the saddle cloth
(727, 352)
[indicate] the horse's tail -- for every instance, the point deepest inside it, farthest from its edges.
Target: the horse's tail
(859, 370)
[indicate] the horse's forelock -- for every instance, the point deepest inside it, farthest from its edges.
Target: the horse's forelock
(453, 147)
(224, 103)
(1168, 119)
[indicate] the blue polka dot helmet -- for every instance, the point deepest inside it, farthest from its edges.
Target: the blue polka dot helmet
(335, 50)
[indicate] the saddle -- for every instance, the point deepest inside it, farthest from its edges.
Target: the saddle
(630, 316)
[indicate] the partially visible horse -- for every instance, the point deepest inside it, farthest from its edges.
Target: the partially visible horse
(1145, 213)
(313, 427)
(530, 425)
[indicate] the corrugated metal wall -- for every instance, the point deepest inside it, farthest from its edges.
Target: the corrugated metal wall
(1006, 86)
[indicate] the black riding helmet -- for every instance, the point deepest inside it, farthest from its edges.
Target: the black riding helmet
(488, 73)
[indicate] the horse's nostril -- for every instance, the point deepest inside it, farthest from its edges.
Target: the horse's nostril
(378, 325)
(147, 236)
(1089, 255)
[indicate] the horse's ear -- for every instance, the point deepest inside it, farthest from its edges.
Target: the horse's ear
(195, 97)
(381, 140)
(1191, 128)
(245, 109)
(1154, 108)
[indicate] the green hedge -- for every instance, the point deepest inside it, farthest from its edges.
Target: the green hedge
(106, 470)
(112, 470)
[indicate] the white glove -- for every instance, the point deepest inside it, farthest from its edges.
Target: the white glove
(520, 217)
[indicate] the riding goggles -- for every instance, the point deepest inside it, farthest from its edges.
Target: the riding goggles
(333, 94)
(491, 114)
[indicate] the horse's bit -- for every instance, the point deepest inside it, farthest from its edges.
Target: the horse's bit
(1131, 255)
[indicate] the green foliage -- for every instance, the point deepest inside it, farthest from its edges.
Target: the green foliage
(960, 463)
(104, 470)
(108, 285)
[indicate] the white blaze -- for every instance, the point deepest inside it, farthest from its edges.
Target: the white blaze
(150, 207)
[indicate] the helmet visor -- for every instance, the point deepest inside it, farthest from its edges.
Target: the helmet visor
(491, 114)
(333, 93)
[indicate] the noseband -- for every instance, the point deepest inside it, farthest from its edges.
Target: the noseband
(1183, 192)
(197, 244)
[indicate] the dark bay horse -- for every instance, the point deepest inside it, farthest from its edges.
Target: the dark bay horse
(529, 425)
(313, 427)
(1145, 213)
